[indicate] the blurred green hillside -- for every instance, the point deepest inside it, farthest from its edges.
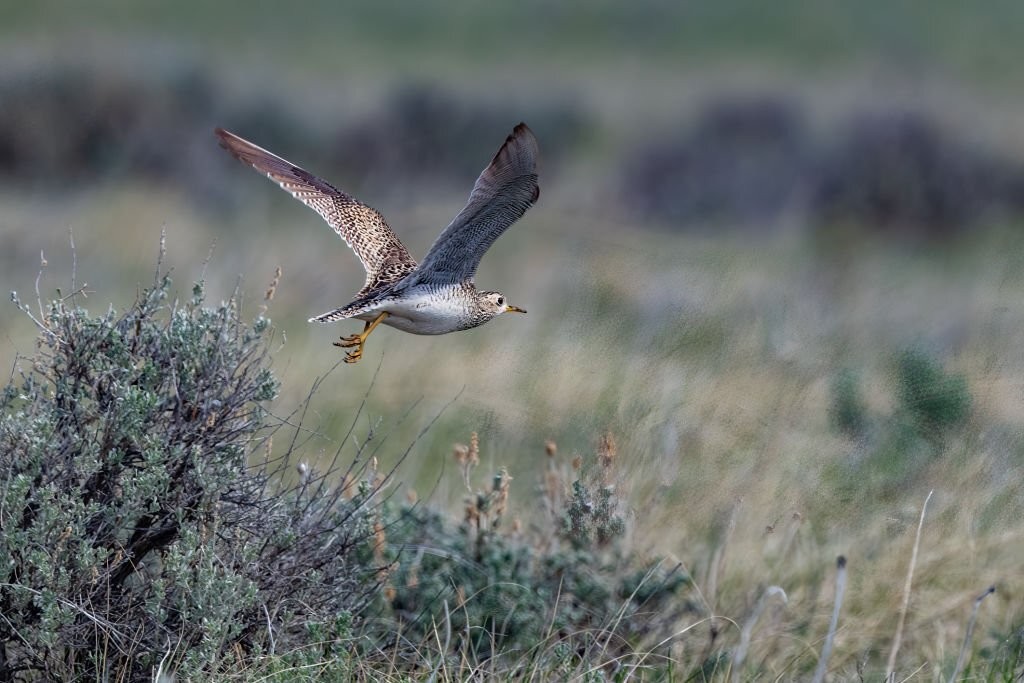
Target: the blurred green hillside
(741, 205)
(373, 40)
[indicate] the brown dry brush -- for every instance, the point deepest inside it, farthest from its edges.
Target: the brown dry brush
(144, 520)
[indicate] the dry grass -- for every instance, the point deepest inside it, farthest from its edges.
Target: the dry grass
(713, 372)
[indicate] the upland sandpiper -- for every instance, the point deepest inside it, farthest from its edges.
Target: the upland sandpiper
(438, 295)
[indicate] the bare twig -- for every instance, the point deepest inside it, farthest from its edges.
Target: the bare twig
(826, 649)
(74, 262)
(890, 668)
(270, 629)
(36, 321)
(39, 276)
(104, 624)
(160, 255)
(206, 262)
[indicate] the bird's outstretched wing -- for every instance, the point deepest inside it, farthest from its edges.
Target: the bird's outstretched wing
(383, 255)
(502, 194)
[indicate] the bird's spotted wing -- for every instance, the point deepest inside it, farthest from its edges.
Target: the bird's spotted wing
(383, 255)
(502, 194)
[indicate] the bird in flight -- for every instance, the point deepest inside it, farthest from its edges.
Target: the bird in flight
(436, 296)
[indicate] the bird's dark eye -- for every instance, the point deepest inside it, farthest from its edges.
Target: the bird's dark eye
(501, 301)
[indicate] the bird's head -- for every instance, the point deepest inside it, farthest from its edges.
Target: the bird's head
(494, 304)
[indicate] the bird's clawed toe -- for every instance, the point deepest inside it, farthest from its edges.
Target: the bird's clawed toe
(350, 341)
(358, 340)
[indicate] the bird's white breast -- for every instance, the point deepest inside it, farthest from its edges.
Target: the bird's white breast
(425, 311)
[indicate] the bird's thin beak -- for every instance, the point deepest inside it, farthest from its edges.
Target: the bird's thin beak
(514, 309)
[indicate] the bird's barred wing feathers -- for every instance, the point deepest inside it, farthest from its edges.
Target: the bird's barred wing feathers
(502, 194)
(382, 254)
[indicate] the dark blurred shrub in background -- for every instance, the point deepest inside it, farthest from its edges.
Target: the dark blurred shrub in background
(135, 533)
(751, 162)
(74, 126)
(424, 132)
(742, 162)
(899, 171)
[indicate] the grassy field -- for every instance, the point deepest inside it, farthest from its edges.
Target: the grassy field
(712, 355)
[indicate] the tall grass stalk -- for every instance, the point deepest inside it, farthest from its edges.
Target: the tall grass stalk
(748, 628)
(890, 668)
(826, 649)
(962, 657)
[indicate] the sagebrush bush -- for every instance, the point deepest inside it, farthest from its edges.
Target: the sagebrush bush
(552, 594)
(143, 523)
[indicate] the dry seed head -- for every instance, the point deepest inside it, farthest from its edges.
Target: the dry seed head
(65, 535)
(390, 593)
(411, 497)
(461, 597)
(347, 486)
(606, 450)
(552, 484)
(551, 448)
(474, 449)
(273, 285)
(472, 513)
(461, 453)
(501, 485)
(379, 541)
(577, 461)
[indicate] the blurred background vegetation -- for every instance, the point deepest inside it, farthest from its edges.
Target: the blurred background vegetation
(778, 254)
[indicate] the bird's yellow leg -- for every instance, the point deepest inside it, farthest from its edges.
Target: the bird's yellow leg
(359, 340)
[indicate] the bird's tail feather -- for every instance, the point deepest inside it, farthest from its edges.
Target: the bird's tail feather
(333, 316)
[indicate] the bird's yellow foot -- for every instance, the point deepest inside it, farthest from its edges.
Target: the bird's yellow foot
(358, 340)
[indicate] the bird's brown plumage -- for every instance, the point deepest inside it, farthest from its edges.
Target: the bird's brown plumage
(384, 257)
